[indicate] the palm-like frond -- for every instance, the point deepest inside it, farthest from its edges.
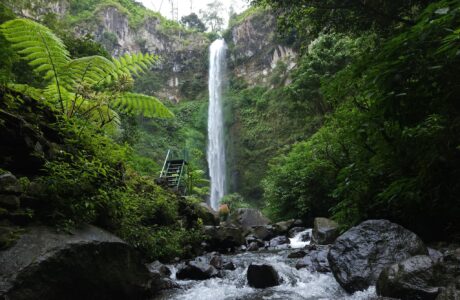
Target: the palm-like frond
(90, 70)
(142, 104)
(133, 64)
(38, 45)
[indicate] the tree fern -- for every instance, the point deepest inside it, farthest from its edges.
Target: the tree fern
(139, 103)
(38, 45)
(88, 87)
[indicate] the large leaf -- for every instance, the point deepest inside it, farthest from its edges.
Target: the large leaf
(142, 104)
(90, 70)
(35, 43)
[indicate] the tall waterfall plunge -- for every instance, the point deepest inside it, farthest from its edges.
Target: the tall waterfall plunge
(216, 147)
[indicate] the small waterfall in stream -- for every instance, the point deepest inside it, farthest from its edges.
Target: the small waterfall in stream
(216, 147)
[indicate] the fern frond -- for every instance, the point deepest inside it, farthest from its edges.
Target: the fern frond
(134, 64)
(38, 45)
(90, 70)
(27, 90)
(142, 104)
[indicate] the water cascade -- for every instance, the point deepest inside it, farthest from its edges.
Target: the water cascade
(216, 147)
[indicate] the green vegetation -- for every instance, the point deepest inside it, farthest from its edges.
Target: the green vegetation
(86, 172)
(388, 147)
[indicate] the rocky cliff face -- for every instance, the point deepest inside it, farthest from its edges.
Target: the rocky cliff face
(183, 53)
(255, 51)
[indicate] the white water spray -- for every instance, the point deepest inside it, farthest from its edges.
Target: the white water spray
(216, 147)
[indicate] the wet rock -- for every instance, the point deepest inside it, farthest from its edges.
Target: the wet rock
(295, 230)
(264, 233)
(297, 254)
(435, 255)
(207, 214)
(160, 268)
(216, 261)
(315, 261)
(161, 283)
(262, 276)
(449, 293)
(229, 266)
(410, 279)
(324, 231)
(222, 238)
(196, 271)
(9, 184)
(252, 239)
(282, 228)
(253, 246)
(359, 255)
(89, 264)
(9, 201)
(247, 217)
(279, 240)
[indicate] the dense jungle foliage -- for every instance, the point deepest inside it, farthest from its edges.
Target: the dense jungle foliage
(86, 165)
(382, 78)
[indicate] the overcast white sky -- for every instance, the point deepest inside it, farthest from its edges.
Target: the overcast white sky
(185, 7)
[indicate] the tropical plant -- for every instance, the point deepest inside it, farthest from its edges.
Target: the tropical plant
(92, 87)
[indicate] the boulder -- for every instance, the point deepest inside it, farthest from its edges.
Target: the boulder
(279, 240)
(297, 254)
(195, 270)
(158, 267)
(161, 283)
(449, 293)
(9, 184)
(247, 217)
(253, 246)
(315, 261)
(410, 279)
(222, 238)
(207, 214)
(435, 255)
(9, 201)
(88, 264)
(359, 255)
(252, 239)
(229, 266)
(264, 233)
(282, 228)
(262, 276)
(216, 261)
(295, 230)
(324, 231)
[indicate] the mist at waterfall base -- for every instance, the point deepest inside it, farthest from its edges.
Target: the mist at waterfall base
(296, 284)
(216, 147)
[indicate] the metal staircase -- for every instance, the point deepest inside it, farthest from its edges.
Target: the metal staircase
(174, 171)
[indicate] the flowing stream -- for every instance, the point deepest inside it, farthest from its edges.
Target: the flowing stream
(216, 147)
(296, 284)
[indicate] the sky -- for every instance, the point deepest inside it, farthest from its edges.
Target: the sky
(185, 7)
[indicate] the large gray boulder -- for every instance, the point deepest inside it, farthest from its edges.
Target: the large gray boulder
(222, 238)
(315, 260)
(207, 214)
(196, 270)
(264, 233)
(412, 278)
(325, 231)
(359, 255)
(89, 264)
(247, 217)
(262, 276)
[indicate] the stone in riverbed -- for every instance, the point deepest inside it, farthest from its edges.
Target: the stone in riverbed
(315, 260)
(160, 268)
(282, 228)
(247, 217)
(410, 279)
(262, 276)
(196, 271)
(89, 264)
(295, 230)
(297, 254)
(264, 233)
(324, 231)
(279, 240)
(253, 246)
(229, 266)
(359, 255)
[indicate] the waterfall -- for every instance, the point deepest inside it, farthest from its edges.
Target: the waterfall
(216, 147)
